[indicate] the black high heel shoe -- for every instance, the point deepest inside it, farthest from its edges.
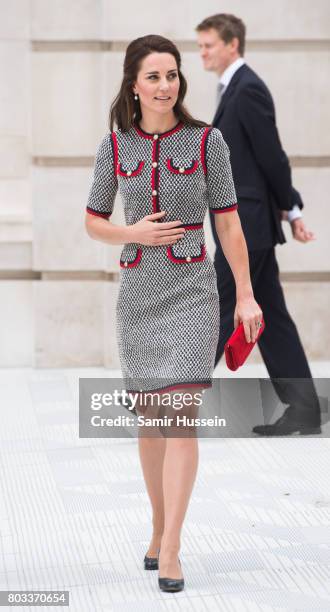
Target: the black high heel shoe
(171, 585)
(151, 563)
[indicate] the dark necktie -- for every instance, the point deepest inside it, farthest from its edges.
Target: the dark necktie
(220, 88)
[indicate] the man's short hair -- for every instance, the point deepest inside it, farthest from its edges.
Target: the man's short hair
(228, 27)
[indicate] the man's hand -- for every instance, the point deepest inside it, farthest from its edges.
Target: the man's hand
(300, 232)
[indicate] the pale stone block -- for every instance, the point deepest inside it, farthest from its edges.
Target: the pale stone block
(16, 314)
(68, 323)
(67, 103)
(15, 200)
(14, 99)
(300, 89)
(62, 20)
(14, 23)
(15, 225)
(14, 232)
(302, 107)
(313, 185)
(14, 159)
(285, 19)
(201, 93)
(16, 255)
(112, 70)
(61, 241)
(111, 355)
(308, 304)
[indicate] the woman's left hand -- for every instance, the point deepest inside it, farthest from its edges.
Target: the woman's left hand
(249, 313)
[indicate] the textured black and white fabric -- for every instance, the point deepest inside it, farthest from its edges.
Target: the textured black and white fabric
(168, 308)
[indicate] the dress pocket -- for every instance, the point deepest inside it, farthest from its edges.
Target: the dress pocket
(129, 170)
(177, 167)
(190, 248)
(131, 256)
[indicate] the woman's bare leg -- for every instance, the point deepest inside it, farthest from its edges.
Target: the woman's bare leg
(179, 473)
(152, 447)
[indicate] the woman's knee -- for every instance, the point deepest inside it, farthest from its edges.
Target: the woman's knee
(178, 416)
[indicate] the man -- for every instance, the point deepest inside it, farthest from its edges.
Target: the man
(245, 115)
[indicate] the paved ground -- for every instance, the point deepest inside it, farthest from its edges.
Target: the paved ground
(74, 513)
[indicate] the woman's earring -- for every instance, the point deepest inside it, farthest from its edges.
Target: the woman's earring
(136, 97)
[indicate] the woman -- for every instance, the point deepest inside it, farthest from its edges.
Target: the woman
(169, 168)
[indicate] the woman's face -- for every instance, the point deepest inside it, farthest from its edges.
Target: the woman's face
(157, 83)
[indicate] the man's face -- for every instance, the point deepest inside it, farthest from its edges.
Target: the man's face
(215, 53)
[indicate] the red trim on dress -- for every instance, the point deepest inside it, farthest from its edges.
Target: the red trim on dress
(115, 151)
(183, 260)
(133, 172)
(224, 210)
(163, 135)
(135, 262)
(154, 185)
(196, 226)
(91, 211)
(186, 170)
(203, 154)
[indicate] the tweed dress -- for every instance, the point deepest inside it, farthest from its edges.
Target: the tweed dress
(168, 306)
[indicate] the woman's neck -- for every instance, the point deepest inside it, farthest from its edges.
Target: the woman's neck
(157, 124)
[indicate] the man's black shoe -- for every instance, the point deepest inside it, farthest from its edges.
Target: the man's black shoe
(286, 425)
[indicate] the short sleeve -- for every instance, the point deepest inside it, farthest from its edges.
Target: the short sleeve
(219, 178)
(104, 184)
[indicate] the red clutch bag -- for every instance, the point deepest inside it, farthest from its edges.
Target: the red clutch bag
(237, 349)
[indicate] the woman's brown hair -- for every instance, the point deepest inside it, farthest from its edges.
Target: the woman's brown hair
(125, 111)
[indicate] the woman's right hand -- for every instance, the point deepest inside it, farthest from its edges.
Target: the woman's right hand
(150, 233)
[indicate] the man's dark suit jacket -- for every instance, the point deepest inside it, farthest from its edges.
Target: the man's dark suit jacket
(261, 170)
